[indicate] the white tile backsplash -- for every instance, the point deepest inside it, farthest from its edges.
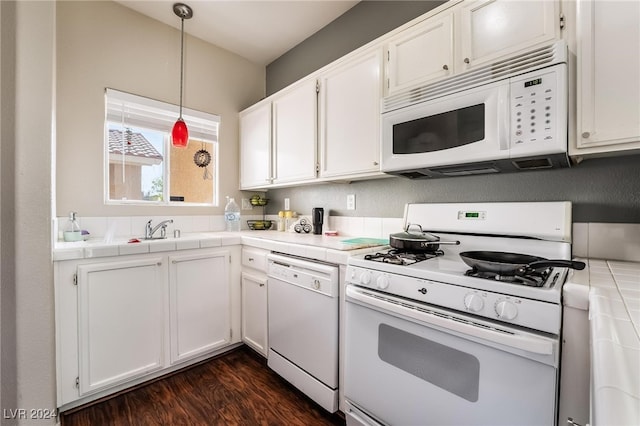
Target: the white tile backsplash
(580, 243)
(614, 241)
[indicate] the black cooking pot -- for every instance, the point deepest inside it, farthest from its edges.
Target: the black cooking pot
(503, 263)
(416, 240)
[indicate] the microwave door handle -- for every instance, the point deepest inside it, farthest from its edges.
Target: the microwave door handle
(504, 118)
(526, 343)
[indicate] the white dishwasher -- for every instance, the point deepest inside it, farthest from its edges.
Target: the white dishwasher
(303, 325)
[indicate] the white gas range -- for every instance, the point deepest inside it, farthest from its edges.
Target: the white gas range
(429, 343)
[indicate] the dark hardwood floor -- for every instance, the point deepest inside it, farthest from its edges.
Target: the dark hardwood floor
(236, 388)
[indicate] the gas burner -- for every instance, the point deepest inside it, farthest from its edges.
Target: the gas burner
(531, 279)
(403, 257)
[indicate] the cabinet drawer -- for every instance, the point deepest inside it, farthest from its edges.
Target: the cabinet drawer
(255, 258)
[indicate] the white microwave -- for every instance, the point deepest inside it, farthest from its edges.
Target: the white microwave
(509, 124)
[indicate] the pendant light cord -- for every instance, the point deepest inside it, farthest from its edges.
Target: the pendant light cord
(181, 62)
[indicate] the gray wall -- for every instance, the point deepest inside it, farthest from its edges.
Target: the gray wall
(602, 190)
(359, 25)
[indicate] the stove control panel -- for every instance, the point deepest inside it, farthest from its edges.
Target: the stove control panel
(506, 310)
(473, 302)
(534, 314)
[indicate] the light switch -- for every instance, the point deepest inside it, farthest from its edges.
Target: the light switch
(351, 202)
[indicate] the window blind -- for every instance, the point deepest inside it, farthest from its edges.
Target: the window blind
(138, 111)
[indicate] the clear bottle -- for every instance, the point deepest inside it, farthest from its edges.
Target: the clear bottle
(281, 220)
(232, 215)
(72, 230)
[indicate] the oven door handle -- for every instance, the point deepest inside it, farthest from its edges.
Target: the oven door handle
(529, 343)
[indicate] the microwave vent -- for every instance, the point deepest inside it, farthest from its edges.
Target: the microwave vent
(524, 62)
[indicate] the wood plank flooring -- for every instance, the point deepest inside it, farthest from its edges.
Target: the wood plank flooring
(236, 388)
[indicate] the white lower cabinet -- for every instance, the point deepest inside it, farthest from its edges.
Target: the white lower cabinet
(123, 320)
(120, 322)
(255, 332)
(254, 312)
(199, 304)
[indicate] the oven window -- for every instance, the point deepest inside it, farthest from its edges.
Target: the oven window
(439, 132)
(448, 368)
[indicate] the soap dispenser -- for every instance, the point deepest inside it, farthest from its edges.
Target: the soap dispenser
(72, 230)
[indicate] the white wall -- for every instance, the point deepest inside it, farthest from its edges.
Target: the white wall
(28, 60)
(104, 44)
(95, 45)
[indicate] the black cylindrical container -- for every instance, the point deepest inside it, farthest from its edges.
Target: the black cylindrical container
(317, 214)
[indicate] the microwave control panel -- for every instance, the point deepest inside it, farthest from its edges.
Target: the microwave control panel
(534, 109)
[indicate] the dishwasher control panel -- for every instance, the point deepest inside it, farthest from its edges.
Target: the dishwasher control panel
(313, 276)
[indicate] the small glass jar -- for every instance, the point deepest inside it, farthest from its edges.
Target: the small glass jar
(288, 220)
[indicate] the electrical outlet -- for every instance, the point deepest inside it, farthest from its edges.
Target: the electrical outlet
(286, 204)
(351, 202)
(246, 204)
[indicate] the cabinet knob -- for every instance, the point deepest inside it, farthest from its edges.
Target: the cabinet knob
(375, 163)
(466, 60)
(586, 135)
(445, 67)
(261, 284)
(251, 259)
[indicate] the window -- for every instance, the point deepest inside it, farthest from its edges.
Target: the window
(142, 167)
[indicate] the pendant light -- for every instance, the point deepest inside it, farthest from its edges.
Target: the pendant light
(180, 133)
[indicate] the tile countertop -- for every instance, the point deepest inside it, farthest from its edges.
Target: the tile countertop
(335, 249)
(614, 322)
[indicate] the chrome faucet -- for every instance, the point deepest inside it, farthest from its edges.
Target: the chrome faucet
(149, 231)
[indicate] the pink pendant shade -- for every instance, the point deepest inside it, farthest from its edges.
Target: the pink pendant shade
(180, 134)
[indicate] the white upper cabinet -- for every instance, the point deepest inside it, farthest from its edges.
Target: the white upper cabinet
(350, 117)
(294, 133)
(488, 30)
(467, 35)
(278, 138)
(608, 72)
(421, 54)
(255, 146)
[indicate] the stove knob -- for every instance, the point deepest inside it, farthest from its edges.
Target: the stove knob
(506, 310)
(473, 302)
(382, 282)
(365, 278)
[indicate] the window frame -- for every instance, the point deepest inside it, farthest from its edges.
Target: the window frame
(157, 116)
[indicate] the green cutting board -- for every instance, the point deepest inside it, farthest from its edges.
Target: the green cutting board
(367, 241)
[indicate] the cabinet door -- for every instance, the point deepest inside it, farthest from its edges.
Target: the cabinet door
(350, 118)
(199, 304)
(254, 312)
(491, 29)
(421, 54)
(255, 146)
(294, 122)
(608, 95)
(121, 321)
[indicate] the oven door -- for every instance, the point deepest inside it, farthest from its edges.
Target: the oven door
(466, 127)
(407, 365)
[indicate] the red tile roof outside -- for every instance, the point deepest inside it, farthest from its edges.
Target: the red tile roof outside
(137, 145)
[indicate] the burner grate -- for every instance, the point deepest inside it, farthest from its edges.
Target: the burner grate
(531, 279)
(402, 257)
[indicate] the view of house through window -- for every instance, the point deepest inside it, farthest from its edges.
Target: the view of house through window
(143, 166)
